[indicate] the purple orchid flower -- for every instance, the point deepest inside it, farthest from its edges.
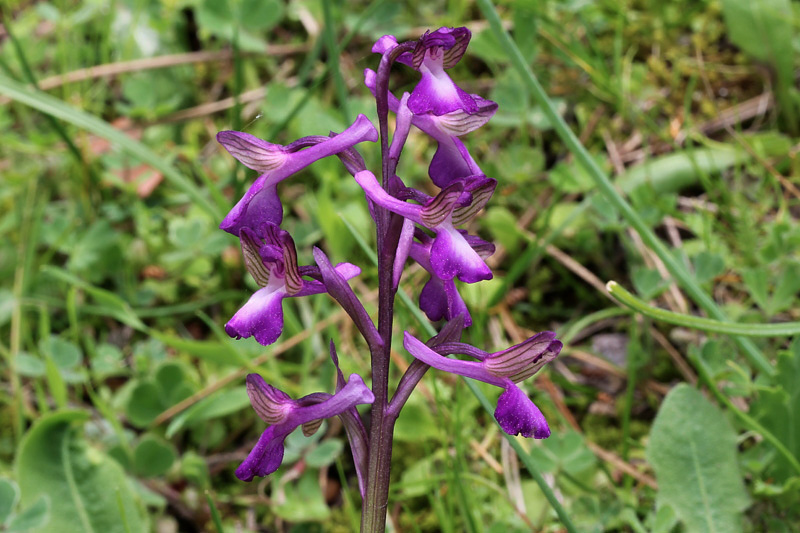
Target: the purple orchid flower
(452, 160)
(276, 163)
(271, 259)
(515, 412)
(439, 298)
(436, 51)
(451, 255)
(284, 415)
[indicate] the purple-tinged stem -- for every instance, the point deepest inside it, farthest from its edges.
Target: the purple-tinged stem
(373, 512)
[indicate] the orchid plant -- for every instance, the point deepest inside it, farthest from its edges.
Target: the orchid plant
(411, 226)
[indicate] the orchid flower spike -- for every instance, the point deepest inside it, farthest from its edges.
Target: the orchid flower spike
(515, 412)
(284, 415)
(260, 203)
(271, 259)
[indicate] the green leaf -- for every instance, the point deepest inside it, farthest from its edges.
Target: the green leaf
(776, 409)
(153, 456)
(88, 491)
(58, 389)
(763, 29)
(325, 454)
(786, 288)
(502, 224)
(707, 266)
(304, 501)
(31, 518)
(648, 282)
(116, 306)
(64, 353)
(144, 404)
(693, 451)
(670, 173)
(9, 496)
(29, 365)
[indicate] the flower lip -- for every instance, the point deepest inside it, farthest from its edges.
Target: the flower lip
(518, 415)
(267, 454)
(271, 258)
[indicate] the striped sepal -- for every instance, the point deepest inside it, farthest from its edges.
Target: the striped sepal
(252, 151)
(309, 428)
(268, 402)
(459, 122)
(419, 52)
(251, 245)
(525, 359)
(293, 280)
(441, 206)
(456, 52)
(480, 196)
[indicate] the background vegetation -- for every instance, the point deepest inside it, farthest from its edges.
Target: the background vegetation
(122, 401)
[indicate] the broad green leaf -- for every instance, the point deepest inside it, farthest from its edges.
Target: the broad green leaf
(29, 365)
(648, 282)
(88, 491)
(65, 354)
(153, 456)
(503, 225)
(763, 29)
(707, 266)
(195, 469)
(304, 501)
(325, 454)
(31, 518)
(692, 449)
(777, 409)
(757, 282)
(672, 172)
(144, 404)
(786, 288)
(9, 496)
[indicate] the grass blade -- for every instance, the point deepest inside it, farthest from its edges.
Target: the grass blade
(58, 109)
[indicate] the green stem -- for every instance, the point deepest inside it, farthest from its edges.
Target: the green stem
(606, 188)
(784, 329)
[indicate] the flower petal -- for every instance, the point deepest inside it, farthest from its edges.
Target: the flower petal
(261, 317)
(375, 192)
(252, 151)
(436, 93)
(469, 369)
(452, 256)
(266, 456)
(260, 204)
(521, 361)
(517, 414)
(272, 405)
